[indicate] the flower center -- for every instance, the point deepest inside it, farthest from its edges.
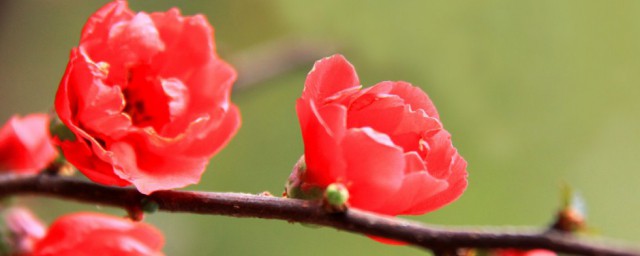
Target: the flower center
(152, 101)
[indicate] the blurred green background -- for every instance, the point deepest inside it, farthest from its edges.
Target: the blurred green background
(534, 93)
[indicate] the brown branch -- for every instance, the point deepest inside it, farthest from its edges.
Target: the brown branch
(292, 210)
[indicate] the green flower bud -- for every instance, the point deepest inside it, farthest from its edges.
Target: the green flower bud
(336, 194)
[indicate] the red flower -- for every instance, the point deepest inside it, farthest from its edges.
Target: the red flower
(514, 252)
(87, 234)
(25, 145)
(384, 143)
(147, 99)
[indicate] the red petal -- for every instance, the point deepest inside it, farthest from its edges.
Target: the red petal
(83, 95)
(375, 167)
(387, 241)
(414, 163)
(189, 43)
(133, 41)
(417, 186)
(457, 181)
(64, 107)
(99, 22)
(96, 31)
(150, 171)
(216, 137)
(392, 117)
(441, 153)
(211, 83)
(412, 95)
(515, 252)
(328, 77)
(209, 89)
(98, 234)
(90, 158)
(322, 131)
(387, 109)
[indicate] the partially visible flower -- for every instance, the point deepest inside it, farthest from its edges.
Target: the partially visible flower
(25, 144)
(147, 98)
(83, 234)
(514, 252)
(385, 144)
(24, 230)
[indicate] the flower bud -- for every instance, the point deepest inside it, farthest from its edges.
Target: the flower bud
(295, 188)
(336, 194)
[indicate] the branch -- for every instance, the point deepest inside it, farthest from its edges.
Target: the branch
(274, 58)
(293, 210)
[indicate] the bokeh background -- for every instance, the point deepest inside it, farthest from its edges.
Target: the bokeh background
(534, 92)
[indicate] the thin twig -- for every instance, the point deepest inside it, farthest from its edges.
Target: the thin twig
(292, 210)
(277, 57)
